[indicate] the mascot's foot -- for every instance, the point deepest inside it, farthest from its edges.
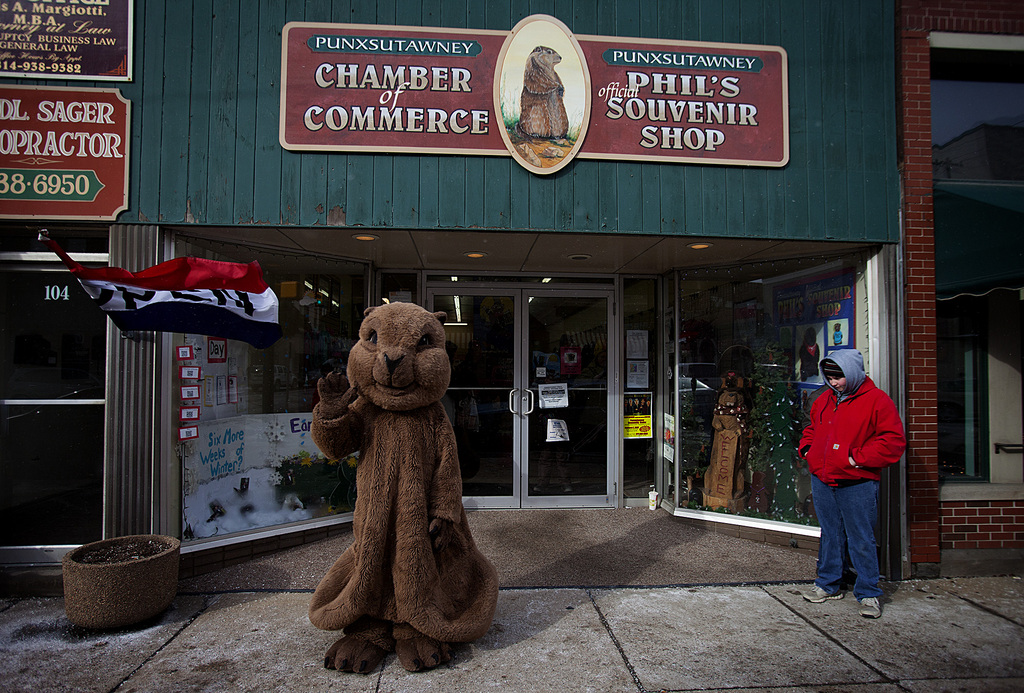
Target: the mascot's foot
(353, 654)
(419, 653)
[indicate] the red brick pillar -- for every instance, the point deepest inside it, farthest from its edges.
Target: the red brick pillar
(917, 18)
(919, 263)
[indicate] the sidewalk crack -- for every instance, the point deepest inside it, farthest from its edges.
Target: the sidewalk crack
(884, 678)
(615, 641)
(208, 601)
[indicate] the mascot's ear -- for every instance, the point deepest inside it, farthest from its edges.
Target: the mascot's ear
(441, 316)
(369, 310)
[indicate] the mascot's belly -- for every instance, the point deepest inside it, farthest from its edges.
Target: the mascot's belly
(391, 570)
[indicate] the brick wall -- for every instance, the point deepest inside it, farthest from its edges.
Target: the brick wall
(967, 16)
(919, 258)
(983, 525)
(931, 528)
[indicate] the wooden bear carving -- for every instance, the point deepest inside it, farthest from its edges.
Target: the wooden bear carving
(413, 580)
(724, 481)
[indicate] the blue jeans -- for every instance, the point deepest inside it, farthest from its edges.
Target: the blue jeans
(847, 516)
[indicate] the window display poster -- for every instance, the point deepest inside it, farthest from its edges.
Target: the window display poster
(216, 350)
(546, 364)
(637, 420)
(815, 316)
(636, 375)
(245, 472)
(636, 344)
(668, 443)
(557, 431)
(553, 395)
(571, 363)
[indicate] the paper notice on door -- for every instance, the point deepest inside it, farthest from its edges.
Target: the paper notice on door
(557, 431)
(553, 395)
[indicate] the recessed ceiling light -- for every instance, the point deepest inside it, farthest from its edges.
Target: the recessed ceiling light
(699, 246)
(365, 237)
(579, 256)
(475, 254)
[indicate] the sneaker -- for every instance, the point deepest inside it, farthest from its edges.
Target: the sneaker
(816, 595)
(870, 608)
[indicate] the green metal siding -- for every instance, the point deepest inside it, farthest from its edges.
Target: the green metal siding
(205, 128)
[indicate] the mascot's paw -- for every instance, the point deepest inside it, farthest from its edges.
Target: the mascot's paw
(335, 395)
(441, 533)
(353, 654)
(420, 653)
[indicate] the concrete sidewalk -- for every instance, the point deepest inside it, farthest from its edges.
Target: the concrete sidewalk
(964, 634)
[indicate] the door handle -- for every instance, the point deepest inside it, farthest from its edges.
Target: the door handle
(530, 410)
(511, 404)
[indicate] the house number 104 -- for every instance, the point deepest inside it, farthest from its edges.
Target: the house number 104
(56, 293)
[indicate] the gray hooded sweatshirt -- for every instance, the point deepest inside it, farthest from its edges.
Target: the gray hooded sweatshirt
(851, 361)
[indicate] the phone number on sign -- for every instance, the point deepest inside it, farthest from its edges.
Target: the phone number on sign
(32, 66)
(45, 185)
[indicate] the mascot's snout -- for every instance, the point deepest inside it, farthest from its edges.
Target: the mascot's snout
(391, 363)
(392, 374)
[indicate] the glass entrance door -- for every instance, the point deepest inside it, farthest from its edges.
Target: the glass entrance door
(529, 396)
(53, 350)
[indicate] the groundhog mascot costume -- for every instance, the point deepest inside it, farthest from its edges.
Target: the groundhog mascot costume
(413, 580)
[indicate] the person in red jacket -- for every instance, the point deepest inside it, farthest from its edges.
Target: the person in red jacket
(854, 433)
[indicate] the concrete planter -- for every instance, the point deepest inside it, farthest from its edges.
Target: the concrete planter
(118, 582)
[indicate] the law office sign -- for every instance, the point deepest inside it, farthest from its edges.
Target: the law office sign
(537, 93)
(66, 39)
(63, 152)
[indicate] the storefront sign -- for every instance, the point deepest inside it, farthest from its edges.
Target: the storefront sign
(66, 39)
(680, 101)
(63, 152)
(537, 93)
(348, 87)
(815, 316)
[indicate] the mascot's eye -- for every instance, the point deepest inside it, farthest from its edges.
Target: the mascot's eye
(373, 337)
(424, 341)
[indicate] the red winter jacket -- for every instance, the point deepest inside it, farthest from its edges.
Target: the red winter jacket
(864, 425)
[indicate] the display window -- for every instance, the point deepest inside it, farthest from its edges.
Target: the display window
(243, 415)
(748, 342)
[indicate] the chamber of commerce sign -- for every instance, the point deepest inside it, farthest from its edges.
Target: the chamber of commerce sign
(63, 152)
(537, 93)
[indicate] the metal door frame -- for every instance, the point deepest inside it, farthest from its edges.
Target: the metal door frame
(521, 397)
(44, 263)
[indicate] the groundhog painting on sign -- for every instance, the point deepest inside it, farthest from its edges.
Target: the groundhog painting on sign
(541, 110)
(413, 580)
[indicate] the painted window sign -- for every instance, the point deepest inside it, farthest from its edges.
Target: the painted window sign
(63, 152)
(537, 93)
(815, 316)
(66, 39)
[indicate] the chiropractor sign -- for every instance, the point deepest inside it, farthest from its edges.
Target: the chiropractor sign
(63, 152)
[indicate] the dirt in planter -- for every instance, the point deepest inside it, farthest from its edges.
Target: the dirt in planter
(122, 551)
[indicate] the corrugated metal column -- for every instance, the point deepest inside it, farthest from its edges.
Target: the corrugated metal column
(131, 453)
(885, 348)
